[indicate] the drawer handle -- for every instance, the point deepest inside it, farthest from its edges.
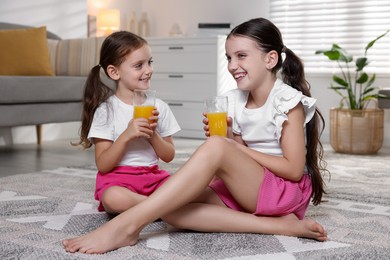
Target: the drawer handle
(176, 48)
(175, 104)
(175, 76)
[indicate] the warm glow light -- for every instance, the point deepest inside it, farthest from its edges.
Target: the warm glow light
(108, 20)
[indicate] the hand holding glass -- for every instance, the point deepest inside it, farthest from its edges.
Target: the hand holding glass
(216, 111)
(144, 102)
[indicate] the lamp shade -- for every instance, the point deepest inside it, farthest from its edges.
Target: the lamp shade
(108, 20)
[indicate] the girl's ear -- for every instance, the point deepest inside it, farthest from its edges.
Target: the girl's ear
(272, 59)
(113, 72)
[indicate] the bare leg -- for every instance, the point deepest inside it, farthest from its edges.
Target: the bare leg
(204, 215)
(207, 218)
(213, 157)
(117, 199)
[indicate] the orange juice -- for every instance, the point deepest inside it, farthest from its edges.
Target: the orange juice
(217, 123)
(143, 112)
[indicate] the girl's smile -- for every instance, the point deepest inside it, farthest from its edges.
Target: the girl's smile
(238, 76)
(245, 62)
(136, 71)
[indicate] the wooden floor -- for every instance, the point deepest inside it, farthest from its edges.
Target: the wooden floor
(27, 158)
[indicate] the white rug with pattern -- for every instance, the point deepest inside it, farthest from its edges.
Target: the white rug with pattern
(38, 210)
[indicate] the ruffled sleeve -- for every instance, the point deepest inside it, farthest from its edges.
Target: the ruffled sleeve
(286, 100)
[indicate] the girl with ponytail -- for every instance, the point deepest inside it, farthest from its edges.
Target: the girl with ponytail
(127, 149)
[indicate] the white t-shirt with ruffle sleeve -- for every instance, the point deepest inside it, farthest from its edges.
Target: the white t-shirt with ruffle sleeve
(111, 119)
(261, 128)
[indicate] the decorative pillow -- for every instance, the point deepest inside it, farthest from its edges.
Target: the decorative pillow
(76, 57)
(24, 52)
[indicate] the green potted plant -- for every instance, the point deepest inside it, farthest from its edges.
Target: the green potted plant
(355, 129)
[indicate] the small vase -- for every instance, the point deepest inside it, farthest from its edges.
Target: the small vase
(144, 26)
(356, 131)
(133, 24)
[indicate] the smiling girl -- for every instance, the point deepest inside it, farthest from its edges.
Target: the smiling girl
(126, 150)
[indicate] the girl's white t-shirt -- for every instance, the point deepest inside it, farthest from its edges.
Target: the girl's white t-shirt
(111, 119)
(261, 128)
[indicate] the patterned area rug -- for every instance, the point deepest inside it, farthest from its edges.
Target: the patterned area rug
(40, 209)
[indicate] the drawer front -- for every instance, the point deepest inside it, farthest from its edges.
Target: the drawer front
(184, 87)
(188, 115)
(184, 58)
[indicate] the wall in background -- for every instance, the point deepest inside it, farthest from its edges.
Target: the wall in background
(189, 13)
(185, 13)
(66, 18)
(162, 16)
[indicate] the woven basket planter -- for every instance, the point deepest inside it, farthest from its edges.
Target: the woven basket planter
(356, 131)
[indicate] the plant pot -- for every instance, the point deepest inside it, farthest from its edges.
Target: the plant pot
(356, 131)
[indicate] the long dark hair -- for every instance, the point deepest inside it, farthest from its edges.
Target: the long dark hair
(114, 50)
(268, 38)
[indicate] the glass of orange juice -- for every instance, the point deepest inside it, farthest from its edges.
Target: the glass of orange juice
(144, 103)
(216, 110)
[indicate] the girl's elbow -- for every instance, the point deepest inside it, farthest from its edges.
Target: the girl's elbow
(168, 159)
(103, 169)
(168, 156)
(296, 175)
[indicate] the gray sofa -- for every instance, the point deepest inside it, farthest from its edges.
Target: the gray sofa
(37, 100)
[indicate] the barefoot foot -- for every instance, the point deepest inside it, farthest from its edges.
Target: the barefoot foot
(108, 237)
(307, 228)
(314, 229)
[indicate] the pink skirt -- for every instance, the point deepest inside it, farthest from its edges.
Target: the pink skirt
(141, 180)
(277, 196)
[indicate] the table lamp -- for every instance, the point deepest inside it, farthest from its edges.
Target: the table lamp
(108, 20)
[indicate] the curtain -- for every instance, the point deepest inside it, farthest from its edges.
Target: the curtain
(310, 25)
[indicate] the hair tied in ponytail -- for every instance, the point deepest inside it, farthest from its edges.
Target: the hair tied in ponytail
(283, 53)
(283, 56)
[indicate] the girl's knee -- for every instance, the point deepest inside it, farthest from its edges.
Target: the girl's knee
(110, 200)
(215, 143)
(114, 200)
(110, 195)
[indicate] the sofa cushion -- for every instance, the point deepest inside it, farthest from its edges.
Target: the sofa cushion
(76, 57)
(24, 52)
(40, 89)
(33, 114)
(52, 47)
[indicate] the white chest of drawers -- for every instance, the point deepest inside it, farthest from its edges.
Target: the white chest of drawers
(186, 72)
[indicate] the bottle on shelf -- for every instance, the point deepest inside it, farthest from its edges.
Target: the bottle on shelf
(144, 26)
(175, 30)
(133, 24)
